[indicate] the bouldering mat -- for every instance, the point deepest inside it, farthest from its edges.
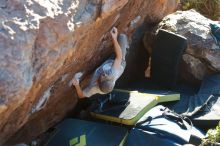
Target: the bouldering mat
(215, 29)
(74, 132)
(166, 56)
(202, 106)
(162, 127)
(127, 107)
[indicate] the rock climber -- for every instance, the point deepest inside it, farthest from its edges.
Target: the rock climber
(104, 78)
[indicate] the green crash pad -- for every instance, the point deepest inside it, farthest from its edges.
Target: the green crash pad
(74, 132)
(127, 107)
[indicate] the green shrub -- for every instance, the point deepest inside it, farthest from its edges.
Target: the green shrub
(209, 8)
(213, 135)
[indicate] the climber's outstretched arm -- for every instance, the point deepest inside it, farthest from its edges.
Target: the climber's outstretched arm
(117, 49)
(78, 88)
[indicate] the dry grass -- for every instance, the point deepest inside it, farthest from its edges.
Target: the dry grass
(209, 8)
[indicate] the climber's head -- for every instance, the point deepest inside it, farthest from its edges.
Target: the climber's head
(106, 82)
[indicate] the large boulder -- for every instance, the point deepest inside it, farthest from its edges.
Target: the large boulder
(43, 43)
(202, 56)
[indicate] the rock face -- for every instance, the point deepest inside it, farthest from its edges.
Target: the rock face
(43, 43)
(202, 56)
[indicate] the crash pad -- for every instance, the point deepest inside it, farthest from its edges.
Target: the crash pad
(139, 137)
(215, 29)
(75, 132)
(166, 56)
(127, 107)
(202, 106)
(162, 127)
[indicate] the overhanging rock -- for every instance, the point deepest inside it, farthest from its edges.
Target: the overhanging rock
(43, 43)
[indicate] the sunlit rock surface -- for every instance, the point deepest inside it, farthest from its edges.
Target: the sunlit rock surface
(43, 43)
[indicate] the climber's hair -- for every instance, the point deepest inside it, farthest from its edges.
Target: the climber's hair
(106, 86)
(106, 83)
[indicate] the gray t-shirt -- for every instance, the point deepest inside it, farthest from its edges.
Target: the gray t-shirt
(106, 67)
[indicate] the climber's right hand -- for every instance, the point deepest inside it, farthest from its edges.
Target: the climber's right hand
(75, 82)
(114, 33)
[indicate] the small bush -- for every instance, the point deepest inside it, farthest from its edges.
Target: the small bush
(209, 8)
(213, 136)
